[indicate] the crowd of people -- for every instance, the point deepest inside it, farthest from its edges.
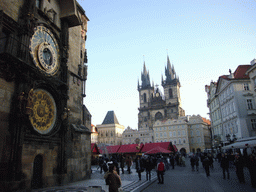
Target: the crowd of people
(239, 160)
(118, 163)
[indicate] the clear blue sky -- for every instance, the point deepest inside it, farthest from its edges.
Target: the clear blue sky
(204, 39)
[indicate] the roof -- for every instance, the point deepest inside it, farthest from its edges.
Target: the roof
(240, 72)
(113, 149)
(206, 121)
(110, 118)
(130, 148)
(158, 149)
(94, 148)
(149, 146)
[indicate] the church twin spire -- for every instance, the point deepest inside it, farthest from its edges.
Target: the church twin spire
(170, 75)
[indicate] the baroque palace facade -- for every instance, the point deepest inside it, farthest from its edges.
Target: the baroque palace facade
(45, 128)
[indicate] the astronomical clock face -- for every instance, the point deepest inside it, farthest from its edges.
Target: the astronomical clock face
(44, 50)
(44, 111)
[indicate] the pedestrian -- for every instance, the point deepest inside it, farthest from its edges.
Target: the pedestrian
(183, 161)
(101, 161)
(149, 166)
(239, 163)
(197, 162)
(211, 160)
(122, 160)
(113, 180)
(252, 169)
(192, 162)
(114, 160)
(172, 159)
(206, 163)
(224, 163)
(160, 171)
(129, 164)
(139, 166)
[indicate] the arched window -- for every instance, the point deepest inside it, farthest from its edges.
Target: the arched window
(144, 97)
(158, 116)
(170, 93)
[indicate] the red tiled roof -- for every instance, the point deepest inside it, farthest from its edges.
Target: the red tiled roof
(149, 146)
(130, 148)
(240, 72)
(206, 121)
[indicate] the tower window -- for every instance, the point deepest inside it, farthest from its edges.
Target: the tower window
(170, 93)
(144, 97)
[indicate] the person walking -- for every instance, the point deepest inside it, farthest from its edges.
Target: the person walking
(113, 180)
(197, 163)
(139, 166)
(206, 163)
(252, 169)
(122, 160)
(129, 164)
(172, 160)
(192, 162)
(224, 163)
(239, 164)
(149, 166)
(160, 171)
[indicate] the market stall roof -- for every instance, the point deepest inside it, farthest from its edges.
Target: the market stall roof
(241, 145)
(158, 149)
(94, 148)
(165, 145)
(113, 149)
(131, 148)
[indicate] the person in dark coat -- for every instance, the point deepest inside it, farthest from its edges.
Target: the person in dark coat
(149, 166)
(172, 159)
(139, 166)
(224, 163)
(211, 160)
(252, 169)
(113, 180)
(122, 161)
(192, 162)
(129, 164)
(206, 164)
(197, 162)
(239, 163)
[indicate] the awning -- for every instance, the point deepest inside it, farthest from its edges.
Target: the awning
(130, 148)
(158, 149)
(241, 145)
(149, 146)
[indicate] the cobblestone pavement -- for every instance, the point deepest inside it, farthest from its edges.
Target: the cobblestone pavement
(130, 182)
(184, 179)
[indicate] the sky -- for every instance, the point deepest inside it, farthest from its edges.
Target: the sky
(203, 38)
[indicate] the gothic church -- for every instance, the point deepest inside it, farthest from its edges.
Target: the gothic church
(157, 106)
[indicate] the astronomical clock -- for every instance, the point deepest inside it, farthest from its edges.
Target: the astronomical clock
(44, 50)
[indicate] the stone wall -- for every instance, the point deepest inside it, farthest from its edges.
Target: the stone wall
(79, 166)
(50, 162)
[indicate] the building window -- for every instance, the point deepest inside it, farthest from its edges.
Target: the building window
(199, 140)
(178, 133)
(170, 134)
(174, 134)
(165, 135)
(179, 141)
(184, 140)
(198, 133)
(253, 121)
(191, 133)
(249, 104)
(161, 135)
(246, 86)
(156, 134)
(183, 132)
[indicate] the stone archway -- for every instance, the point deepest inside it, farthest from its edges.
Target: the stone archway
(183, 151)
(37, 181)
